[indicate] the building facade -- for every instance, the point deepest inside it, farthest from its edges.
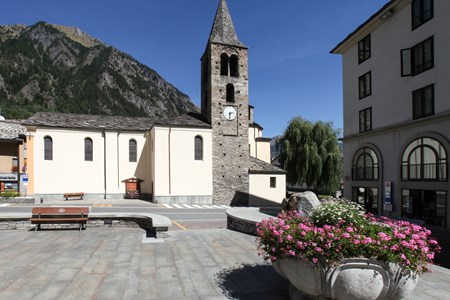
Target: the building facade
(396, 70)
(13, 157)
(218, 156)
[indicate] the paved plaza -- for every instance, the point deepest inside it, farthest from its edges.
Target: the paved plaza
(116, 263)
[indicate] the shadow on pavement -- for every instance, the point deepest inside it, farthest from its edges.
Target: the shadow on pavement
(253, 282)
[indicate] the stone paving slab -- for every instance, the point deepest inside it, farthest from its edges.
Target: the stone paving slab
(113, 263)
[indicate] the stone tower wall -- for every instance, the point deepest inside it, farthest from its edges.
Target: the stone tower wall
(230, 138)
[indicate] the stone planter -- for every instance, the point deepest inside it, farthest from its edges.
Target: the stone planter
(351, 279)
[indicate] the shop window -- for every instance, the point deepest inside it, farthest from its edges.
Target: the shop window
(427, 205)
(365, 165)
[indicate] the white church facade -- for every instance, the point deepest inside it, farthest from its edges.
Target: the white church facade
(216, 156)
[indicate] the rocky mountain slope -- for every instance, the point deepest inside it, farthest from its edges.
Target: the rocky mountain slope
(47, 67)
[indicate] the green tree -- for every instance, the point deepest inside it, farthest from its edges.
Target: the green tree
(310, 153)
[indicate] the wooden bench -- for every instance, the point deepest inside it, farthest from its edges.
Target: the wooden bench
(60, 215)
(74, 195)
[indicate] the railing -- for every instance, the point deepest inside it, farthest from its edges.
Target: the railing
(433, 171)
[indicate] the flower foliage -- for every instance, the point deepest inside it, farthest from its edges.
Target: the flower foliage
(338, 230)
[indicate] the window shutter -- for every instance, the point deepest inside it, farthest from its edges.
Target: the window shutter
(406, 62)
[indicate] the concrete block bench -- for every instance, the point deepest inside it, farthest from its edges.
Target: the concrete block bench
(156, 226)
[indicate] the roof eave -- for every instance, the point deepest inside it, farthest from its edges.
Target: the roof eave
(372, 22)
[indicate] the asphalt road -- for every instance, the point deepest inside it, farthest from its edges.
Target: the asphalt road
(182, 218)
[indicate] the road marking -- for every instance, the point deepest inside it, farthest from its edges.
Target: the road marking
(216, 206)
(102, 205)
(197, 206)
(225, 206)
(167, 206)
(4, 204)
(187, 206)
(177, 205)
(181, 226)
(207, 206)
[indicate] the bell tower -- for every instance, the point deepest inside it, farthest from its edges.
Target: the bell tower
(224, 103)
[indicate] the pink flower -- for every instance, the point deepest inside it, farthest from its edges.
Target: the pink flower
(289, 237)
(346, 235)
(291, 253)
(315, 260)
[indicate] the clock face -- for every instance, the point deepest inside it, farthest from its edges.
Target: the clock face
(229, 113)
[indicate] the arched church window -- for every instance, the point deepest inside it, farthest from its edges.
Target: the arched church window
(132, 150)
(424, 159)
(198, 147)
(48, 148)
(365, 165)
(230, 92)
(88, 149)
(224, 64)
(234, 66)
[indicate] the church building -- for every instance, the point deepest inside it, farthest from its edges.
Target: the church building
(217, 156)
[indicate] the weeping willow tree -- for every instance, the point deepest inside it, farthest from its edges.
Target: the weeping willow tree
(310, 154)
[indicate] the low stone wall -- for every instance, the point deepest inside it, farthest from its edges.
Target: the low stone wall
(240, 225)
(17, 200)
(26, 225)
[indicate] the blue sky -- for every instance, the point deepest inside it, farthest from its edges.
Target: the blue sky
(291, 72)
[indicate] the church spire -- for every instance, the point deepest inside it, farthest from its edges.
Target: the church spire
(223, 31)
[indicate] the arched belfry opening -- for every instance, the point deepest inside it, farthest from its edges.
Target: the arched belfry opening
(230, 93)
(224, 64)
(234, 66)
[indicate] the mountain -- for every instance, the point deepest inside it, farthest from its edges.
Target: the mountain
(46, 67)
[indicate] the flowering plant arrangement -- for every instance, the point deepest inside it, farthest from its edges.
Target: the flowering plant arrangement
(132, 195)
(340, 229)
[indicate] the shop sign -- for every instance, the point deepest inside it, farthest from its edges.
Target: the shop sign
(8, 176)
(387, 196)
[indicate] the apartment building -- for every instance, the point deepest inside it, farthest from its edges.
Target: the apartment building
(396, 97)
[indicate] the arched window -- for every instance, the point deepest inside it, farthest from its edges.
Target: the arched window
(424, 159)
(224, 64)
(365, 165)
(88, 149)
(132, 151)
(198, 147)
(234, 66)
(230, 93)
(48, 148)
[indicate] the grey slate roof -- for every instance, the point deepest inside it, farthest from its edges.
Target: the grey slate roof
(10, 130)
(190, 119)
(223, 31)
(258, 166)
(62, 120)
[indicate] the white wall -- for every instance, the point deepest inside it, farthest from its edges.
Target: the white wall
(391, 98)
(69, 172)
(260, 191)
(176, 172)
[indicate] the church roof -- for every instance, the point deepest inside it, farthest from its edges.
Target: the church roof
(96, 122)
(63, 120)
(223, 31)
(190, 119)
(258, 166)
